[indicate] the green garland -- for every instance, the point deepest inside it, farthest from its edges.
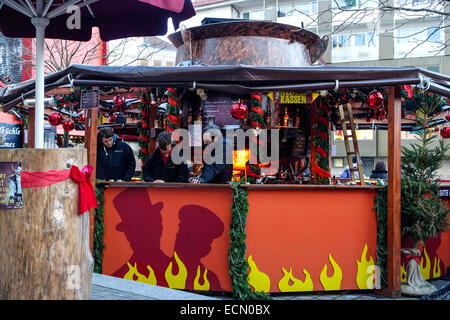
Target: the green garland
(381, 252)
(237, 264)
(320, 142)
(99, 228)
(143, 129)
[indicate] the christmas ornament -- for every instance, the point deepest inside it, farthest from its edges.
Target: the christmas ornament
(68, 125)
(445, 132)
(55, 118)
(239, 110)
(118, 101)
(375, 99)
(81, 118)
(447, 117)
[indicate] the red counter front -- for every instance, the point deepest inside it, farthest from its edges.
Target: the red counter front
(299, 238)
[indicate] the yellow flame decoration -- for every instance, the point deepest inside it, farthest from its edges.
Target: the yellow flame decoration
(298, 285)
(177, 281)
(257, 279)
(333, 282)
(133, 271)
(366, 271)
(425, 270)
(205, 285)
(403, 273)
(436, 268)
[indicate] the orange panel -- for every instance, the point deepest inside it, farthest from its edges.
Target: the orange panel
(298, 229)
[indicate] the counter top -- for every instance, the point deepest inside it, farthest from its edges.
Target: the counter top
(248, 186)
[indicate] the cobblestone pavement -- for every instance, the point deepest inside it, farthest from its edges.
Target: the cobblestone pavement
(111, 288)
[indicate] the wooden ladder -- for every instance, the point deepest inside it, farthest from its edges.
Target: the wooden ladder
(355, 151)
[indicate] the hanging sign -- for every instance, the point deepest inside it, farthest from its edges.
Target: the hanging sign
(10, 135)
(10, 185)
(287, 97)
(89, 99)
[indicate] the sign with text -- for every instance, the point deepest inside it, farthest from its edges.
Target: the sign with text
(89, 99)
(10, 185)
(11, 135)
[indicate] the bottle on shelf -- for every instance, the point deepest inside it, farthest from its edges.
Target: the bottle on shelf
(189, 118)
(297, 118)
(285, 117)
(268, 118)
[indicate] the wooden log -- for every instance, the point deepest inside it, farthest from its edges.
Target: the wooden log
(44, 246)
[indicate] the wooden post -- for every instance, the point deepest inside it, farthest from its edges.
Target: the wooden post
(44, 252)
(31, 116)
(90, 143)
(394, 192)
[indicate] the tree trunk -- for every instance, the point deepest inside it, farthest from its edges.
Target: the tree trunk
(44, 246)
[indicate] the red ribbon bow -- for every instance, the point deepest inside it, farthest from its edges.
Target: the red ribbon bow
(87, 199)
(409, 257)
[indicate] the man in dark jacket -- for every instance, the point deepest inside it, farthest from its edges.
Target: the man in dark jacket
(115, 159)
(380, 171)
(216, 172)
(159, 167)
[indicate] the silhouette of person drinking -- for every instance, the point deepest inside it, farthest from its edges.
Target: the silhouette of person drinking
(142, 225)
(198, 228)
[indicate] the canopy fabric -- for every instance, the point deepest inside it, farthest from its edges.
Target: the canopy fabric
(115, 19)
(232, 79)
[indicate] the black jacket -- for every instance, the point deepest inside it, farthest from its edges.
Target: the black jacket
(115, 163)
(379, 174)
(155, 169)
(218, 173)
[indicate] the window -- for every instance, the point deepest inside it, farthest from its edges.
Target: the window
(351, 47)
(360, 135)
(169, 63)
(296, 13)
(254, 15)
(156, 62)
(418, 42)
(338, 162)
(433, 68)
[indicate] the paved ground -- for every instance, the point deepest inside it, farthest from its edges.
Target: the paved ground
(111, 288)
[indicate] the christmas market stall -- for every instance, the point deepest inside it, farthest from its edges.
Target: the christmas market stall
(291, 229)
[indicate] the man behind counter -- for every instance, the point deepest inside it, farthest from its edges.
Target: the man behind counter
(159, 167)
(115, 159)
(215, 172)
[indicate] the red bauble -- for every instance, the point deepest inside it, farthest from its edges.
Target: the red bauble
(445, 132)
(144, 125)
(55, 118)
(68, 125)
(239, 111)
(447, 117)
(118, 101)
(375, 99)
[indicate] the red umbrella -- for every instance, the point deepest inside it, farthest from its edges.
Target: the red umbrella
(74, 20)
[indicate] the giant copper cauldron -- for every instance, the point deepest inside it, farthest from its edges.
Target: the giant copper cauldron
(256, 43)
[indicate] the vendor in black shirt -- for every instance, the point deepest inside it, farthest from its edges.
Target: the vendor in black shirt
(159, 167)
(115, 159)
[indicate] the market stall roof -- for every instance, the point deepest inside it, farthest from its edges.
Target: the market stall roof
(232, 79)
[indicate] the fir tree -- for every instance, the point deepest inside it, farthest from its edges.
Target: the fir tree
(424, 215)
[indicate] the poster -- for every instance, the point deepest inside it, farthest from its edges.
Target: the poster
(10, 185)
(11, 135)
(217, 110)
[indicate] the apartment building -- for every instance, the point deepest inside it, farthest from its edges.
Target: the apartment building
(361, 34)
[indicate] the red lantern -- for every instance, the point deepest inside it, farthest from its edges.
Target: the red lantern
(375, 99)
(68, 125)
(55, 118)
(239, 111)
(445, 132)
